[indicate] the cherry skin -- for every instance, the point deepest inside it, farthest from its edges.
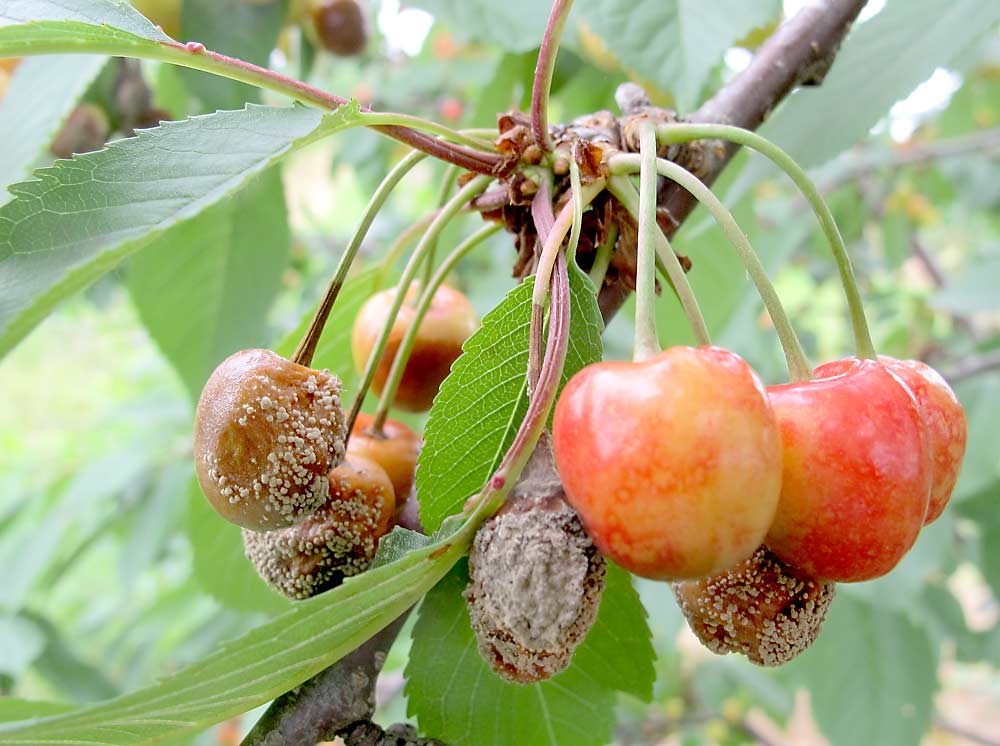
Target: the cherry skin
(857, 472)
(395, 449)
(266, 433)
(340, 26)
(450, 320)
(944, 419)
(674, 463)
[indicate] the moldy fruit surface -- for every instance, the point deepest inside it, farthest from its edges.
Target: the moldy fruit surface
(396, 450)
(674, 463)
(266, 433)
(857, 472)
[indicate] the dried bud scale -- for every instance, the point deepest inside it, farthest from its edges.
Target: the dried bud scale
(535, 579)
(267, 431)
(335, 542)
(759, 608)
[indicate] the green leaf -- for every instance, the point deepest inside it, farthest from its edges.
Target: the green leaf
(482, 402)
(974, 290)
(84, 215)
(25, 709)
(871, 675)
(21, 641)
(516, 25)
(457, 697)
(251, 670)
(41, 95)
(203, 288)
(675, 43)
(100, 13)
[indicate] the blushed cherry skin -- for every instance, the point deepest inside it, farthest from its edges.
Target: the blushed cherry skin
(450, 320)
(396, 450)
(673, 463)
(857, 472)
(945, 421)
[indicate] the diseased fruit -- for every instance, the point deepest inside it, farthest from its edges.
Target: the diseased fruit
(336, 541)
(450, 320)
(85, 130)
(857, 472)
(267, 432)
(761, 608)
(341, 26)
(395, 449)
(535, 579)
(674, 463)
(944, 419)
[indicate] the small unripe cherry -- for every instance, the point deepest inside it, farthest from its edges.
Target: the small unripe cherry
(395, 449)
(337, 541)
(341, 26)
(450, 320)
(761, 608)
(266, 433)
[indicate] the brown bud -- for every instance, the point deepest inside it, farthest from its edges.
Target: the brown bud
(535, 578)
(760, 608)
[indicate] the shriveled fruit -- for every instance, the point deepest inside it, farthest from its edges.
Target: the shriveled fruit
(674, 463)
(395, 449)
(450, 320)
(761, 608)
(267, 432)
(340, 26)
(336, 541)
(857, 472)
(84, 131)
(535, 579)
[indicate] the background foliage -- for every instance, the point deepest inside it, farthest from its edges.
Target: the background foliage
(116, 572)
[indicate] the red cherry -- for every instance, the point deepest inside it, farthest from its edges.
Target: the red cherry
(674, 463)
(944, 419)
(857, 472)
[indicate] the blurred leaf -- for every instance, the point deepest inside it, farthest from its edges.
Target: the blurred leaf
(981, 468)
(103, 17)
(516, 25)
(203, 288)
(40, 97)
(973, 291)
(457, 697)
(21, 642)
(24, 709)
(83, 216)
(65, 670)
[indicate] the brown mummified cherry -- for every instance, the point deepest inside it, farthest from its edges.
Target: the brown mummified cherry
(267, 432)
(535, 578)
(335, 542)
(341, 26)
(759, 608)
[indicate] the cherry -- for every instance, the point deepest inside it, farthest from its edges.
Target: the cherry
(341, 26)
(84, 131)
(395, 449)
(336, 541)
(761, 608)
(267, 431)
(857, 472)
(450, 320)
(673, 463)
(944, 419)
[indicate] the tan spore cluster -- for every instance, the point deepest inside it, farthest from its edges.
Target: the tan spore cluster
(535, 579)
(337, 541)
(267, 431)
(760, 608)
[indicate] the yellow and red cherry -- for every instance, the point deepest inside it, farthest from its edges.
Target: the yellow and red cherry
(396, 449)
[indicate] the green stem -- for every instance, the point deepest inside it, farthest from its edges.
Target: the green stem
(307, 347)
(377, 118)
(577, 186)
(402, 242)
(624, 192)
(444, 216)
(647, 343)
(674, 133)
(798, 366)
(444, 188)
(602, 259)
(544, 68)
(423, 305)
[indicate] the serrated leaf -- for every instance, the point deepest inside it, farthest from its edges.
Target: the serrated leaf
(115, 13)
(84, 215)
(482, 402)
(40, 97)
(203, 288)
(457, 697)
(251, 670)
(675, 43)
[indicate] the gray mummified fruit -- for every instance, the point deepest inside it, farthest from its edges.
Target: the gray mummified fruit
(535, 578)
(760, 608)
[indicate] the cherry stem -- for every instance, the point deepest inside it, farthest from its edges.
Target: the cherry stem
(444, 188)
(423, 305)
(544, 68)
(544, 219)
(864, 348)
(647, 342)
(621, 187)
(444, 216)
(602, 260)
(798, 366)
(578, 207)
(307, 347)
